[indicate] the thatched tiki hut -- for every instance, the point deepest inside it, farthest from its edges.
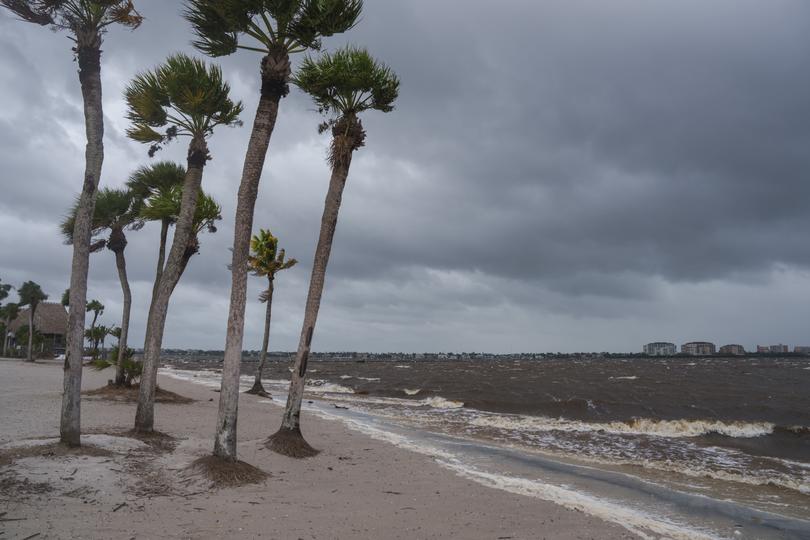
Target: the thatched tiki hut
(50, 321)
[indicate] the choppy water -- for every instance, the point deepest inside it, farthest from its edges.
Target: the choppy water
(729, 429)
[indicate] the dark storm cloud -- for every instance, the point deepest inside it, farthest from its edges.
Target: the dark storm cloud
(555, 173)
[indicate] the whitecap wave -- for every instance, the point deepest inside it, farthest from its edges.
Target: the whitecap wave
(640, 426)
(438, 402)
(411, 392)
(320, 385)
(626, 378)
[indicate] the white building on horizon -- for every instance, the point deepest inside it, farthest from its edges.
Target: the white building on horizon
(660, 348)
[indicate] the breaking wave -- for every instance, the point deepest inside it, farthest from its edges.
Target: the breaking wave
(438, 402)
(639, 426)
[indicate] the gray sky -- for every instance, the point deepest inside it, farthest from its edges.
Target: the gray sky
(558, 176)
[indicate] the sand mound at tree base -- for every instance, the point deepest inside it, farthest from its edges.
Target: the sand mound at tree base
(290, 443)
(129, 394)
(258, 390)
(223, 473)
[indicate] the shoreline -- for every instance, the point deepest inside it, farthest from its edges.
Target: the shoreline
(358, 487)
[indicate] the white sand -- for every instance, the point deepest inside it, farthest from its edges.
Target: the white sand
(357, 488)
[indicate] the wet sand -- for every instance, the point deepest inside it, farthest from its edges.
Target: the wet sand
(356, 487)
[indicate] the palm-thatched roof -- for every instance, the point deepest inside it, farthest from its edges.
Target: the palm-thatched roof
(49, 318)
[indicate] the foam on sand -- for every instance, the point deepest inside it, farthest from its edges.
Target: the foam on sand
(638, 522)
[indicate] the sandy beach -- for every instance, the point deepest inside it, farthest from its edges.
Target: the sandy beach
(357, 487)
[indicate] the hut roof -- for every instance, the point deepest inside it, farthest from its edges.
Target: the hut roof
(49, 318)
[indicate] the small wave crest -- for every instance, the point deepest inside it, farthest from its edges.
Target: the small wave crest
(639, 426)
(411, 392)
(438, 402)
(320, 385)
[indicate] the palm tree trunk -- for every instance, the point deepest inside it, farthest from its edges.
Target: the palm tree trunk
(164, 231)
(121, 263)
(5, 336)
(288, 439)
(90, 80)
(30, 354)
(257, 388)
(275, 73)
(145, 414)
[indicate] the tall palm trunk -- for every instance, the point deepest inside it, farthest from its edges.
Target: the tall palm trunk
(5, 336)
(164, 232)
(89, 57)
(257, 388)
(117, 244)
(275, 71)
(184, 229)
(29, 356)
(288, 439)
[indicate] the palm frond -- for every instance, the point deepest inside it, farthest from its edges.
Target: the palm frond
(348, 82)
(183, 96)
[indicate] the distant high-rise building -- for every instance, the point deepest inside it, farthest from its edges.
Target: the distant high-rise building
(763, 349)
(801, 349)
(698, 348)
(779, 348)
(660, 348)
(737, 350)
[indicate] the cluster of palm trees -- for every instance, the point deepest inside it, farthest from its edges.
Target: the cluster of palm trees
(188, 97)
(31, 295)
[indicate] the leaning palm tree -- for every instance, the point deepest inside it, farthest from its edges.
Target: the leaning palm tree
(265, 261)
(31, 295)
(184, 98)
(156, 181)
(275, 29)
(97, 308)
(8, 313)
(86, 21)
(114, 212)
(343, 85)
(164, 206)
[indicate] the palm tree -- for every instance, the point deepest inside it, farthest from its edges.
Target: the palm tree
(274, 29)
(156, 181)
(164, 206)
(4, 290)
(185, 98)
(343, 85)
(8, 313)
(97, 308)
(86, 21)
(115, 211)
(96, 335)
(31, 295)
(265, 261)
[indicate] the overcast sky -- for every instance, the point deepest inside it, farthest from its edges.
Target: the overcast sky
(557, 176)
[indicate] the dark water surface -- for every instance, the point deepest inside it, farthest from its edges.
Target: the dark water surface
(732, 428)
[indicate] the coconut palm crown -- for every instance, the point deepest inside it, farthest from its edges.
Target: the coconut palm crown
(266, 259)
(185, 96)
